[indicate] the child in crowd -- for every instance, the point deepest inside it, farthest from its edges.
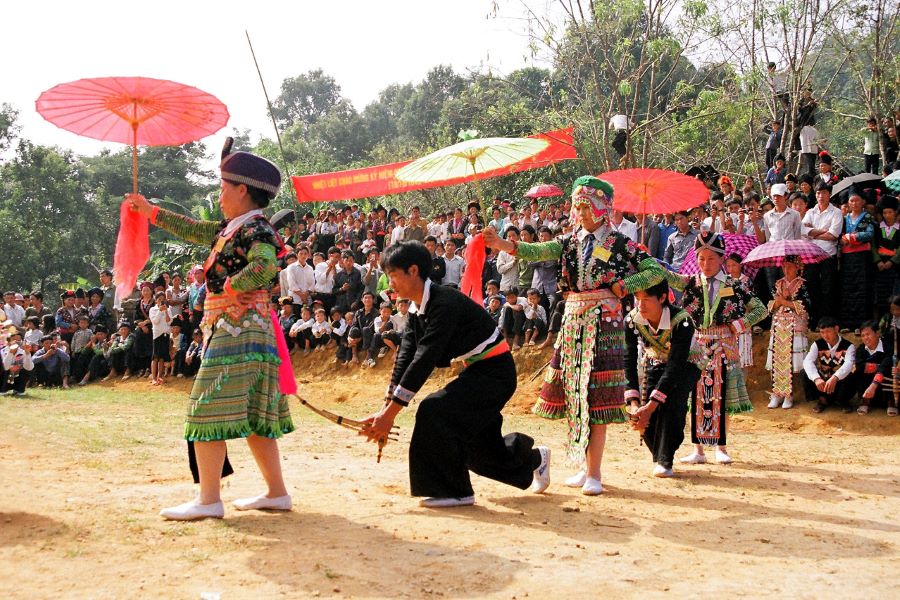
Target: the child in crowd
(193, 356)
(745, 338)
(287, 319)
(827, 364)
(178, 347)
(789, 308)
(159, 321)
(491, 289)
(382, 326)
(535, 324)
(80, 339)
(33, 333)
(321, 331)
(17, 366)
(512, 317)
(300, 333)
(118, 352)
(494, 306)
(344, 354)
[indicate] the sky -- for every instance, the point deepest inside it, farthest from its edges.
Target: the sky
(364, 45)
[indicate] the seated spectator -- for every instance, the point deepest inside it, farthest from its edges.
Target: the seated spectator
(38, 308)
(535, 325)
(97, 364)
(66, 321)
(555, 324)
(494, 306)
(491, 288)
(33, 333)
(348, 285)
(97, 312)
(193, 356)
(512, 317)
(359, 337)
(345, 352)
(17, 366)
(872, 364)
(321, 331)
(300, 333)
(827, 365)
(382, 326)
(118, 352)
(51, 363)
(286, 319)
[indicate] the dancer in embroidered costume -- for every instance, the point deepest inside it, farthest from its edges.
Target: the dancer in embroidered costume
(236, 392)
(458, 428)
(669, 357)
(721, 307)
(789, 308)
(597, 267)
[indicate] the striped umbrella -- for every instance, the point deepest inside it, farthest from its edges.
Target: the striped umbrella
(772, 254)
(735, 243)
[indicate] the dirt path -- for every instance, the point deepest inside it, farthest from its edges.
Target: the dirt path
(808, 510)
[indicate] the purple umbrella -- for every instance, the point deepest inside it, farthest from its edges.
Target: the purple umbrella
(771, 254)
(734, 244)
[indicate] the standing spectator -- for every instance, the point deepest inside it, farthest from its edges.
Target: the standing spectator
(666, 228)
(456, 228)
(142, 350)
(38, 308)
(14, 312)
(507, 264)
(822, 225)
(193, 357)
(325, 273)
(781, 223)
(399, 230)
(871, 150)
(826, 175)
(302, 280)
(886, 249)
(416, 230)
(773, 143)
(890, 143)
(777, 172)
(370, 272)
(648, 234)
(159, 321)
(438, 266)
(680, 242)
(453, 263)
(624, 226)
(348, 284)
(809, 149)
(544, 279)
(67, 316)
(856, 264)
(619, 124)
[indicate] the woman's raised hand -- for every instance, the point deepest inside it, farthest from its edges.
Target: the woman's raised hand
(139, 204)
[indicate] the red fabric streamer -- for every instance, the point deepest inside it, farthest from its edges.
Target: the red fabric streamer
(470, 284)
(132, 249)
(286, 382)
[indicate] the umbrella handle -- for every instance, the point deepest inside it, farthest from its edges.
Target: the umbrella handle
(134, 161)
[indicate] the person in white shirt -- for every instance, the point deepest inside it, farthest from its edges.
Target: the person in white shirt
(809, 150)
(324, 273)
(17, 365)
(780, 223)
(822, 225)
(14, 312)
(321, 331)
(507, 264)
(454, 263)
(159, 321)
(283, 275)
(829, 361)
(627, 228)
(619, 123)
(399, 230)
(535, 324)
(302, 279)
(301, 330)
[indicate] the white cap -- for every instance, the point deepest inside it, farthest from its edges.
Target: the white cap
(778, 189)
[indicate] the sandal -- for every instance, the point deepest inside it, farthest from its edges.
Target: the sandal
(892, 411)
(863, 409)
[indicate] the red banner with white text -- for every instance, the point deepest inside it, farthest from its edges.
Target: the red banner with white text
(379, 180)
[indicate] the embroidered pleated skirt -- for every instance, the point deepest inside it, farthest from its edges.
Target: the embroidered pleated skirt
(235, 392)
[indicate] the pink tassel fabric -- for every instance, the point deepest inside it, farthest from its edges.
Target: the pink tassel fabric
(470, 284)
(132, 249)
(286, 382)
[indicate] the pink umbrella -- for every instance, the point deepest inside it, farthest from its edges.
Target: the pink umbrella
(544, 190)
(734, 244)
(772, 254)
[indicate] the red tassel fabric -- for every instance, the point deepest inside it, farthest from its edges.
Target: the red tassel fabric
(132, 249)
(287, 384)
(470, 284)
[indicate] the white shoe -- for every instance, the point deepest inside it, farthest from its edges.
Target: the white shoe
(661, 471)
(788, 403)
(383, 352)
(576, 480)
(695, 458)
(592, 487)
(722, 457)
(447, 502)
(774, 401)
(542, 473)
(193, 510)
(263, 502)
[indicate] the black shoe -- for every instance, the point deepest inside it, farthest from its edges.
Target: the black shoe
(819, 407)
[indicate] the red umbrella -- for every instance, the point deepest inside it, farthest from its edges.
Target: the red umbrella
(133, 110)
(735, 243)
(654, 191)
(544, 190)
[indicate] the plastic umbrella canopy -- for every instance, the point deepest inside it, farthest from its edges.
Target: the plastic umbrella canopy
(471, 157)
(544, 190)
(862, 181)
(772, 254)
(892, 182)
(654, 191)
(735, 243)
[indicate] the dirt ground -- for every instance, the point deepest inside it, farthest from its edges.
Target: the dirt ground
(808, 510)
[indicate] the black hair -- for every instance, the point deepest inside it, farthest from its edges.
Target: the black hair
(826, 187)
(827, 323)
(430, 238)
(870, 324)
(660, 290)
(530, 230)
(513, 291)
(368, 293)
(38, 295)
(511, 228)
(404, 255)
(895, 299)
